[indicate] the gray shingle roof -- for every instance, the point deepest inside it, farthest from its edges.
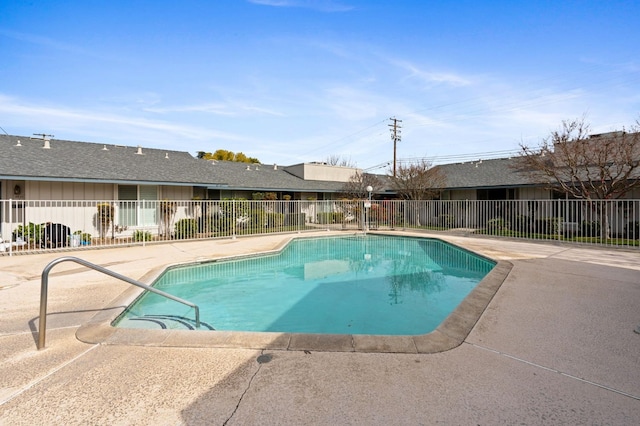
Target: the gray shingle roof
(85, 161)
(265, 177)
(485, 174)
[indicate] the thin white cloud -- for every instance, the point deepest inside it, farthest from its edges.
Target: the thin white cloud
(56, 117)
(231, 109)
(430, 78)
(47, 42)
(319, 5)
(351, 104)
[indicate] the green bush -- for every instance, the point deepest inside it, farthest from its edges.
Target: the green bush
(294, 219)
(257, 219)
(208, 223)
(31, 233)
(140, 235)
(446, 220)
(330, 217)
(85, 237)
(223, 224)
(521, 223)
(632, 230)
(275, 220)
(590, 228)
(495, 226)
(186, 228)
(547, 226)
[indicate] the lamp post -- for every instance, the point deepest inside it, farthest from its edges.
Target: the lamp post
(367, 206)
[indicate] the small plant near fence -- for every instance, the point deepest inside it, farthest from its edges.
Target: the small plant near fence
(186, 228)
(525, 226)
(446, 220)
(167, 212)
(275, 220)
(547, 226)
(496, 226)
(140, 235)
(330, 217)
(31, 233)
(85, 237)
(632, 230)
(257, 221)
(590, 229)
(106, 213)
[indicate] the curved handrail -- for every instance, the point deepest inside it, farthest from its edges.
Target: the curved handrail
(44, 287)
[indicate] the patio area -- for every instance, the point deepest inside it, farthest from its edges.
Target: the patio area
(555, 345)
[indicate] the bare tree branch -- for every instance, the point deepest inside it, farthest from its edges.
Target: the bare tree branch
(336, 160)
(418, 181)
(585, 166)
(356, 187)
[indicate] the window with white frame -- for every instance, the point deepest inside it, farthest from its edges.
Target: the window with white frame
(137, 205)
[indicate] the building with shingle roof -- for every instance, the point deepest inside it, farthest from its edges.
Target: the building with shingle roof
(489, 179)
(46, 179)
(54, 169)
(61, 169)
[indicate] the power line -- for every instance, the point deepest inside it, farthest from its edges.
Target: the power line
(445, 159)
(349, 136)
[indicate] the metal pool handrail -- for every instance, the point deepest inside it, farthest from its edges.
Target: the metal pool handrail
(44, 286)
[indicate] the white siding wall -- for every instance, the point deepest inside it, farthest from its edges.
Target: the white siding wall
(69, 191)
(176, 193)
(46, 207)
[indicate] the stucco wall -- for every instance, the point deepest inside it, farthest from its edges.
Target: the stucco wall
(312, 171)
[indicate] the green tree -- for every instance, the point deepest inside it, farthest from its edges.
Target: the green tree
(225, 155)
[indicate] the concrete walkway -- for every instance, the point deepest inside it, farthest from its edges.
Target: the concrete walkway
(555, 345)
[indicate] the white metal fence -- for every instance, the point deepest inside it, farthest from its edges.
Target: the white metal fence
(33, 226)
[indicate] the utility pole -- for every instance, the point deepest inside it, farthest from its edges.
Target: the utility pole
(395, 137)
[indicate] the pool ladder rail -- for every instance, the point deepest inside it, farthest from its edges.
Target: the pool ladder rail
(171, 322)
(44, 288)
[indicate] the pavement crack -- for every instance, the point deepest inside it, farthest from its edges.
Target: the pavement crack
(553, 370)
(262, 359)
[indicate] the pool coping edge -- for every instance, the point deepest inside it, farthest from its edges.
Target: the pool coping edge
(448, 335)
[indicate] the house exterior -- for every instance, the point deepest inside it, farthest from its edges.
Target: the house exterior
(491, 179)
(501, 190)
(503, 178)
(65, 182)
(135, 179)
(54, 169)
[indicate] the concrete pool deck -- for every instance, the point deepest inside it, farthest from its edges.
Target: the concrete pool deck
(555, 345)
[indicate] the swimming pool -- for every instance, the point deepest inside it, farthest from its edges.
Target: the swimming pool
(361, 284)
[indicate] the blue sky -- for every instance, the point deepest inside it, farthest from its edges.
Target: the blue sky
(289, 81)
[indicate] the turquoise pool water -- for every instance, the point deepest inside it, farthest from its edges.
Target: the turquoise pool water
(364, 284)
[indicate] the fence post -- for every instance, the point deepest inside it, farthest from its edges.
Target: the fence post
(10, 208)
(466, 216)
(144, 223)
(560, 220)
(234, 219)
